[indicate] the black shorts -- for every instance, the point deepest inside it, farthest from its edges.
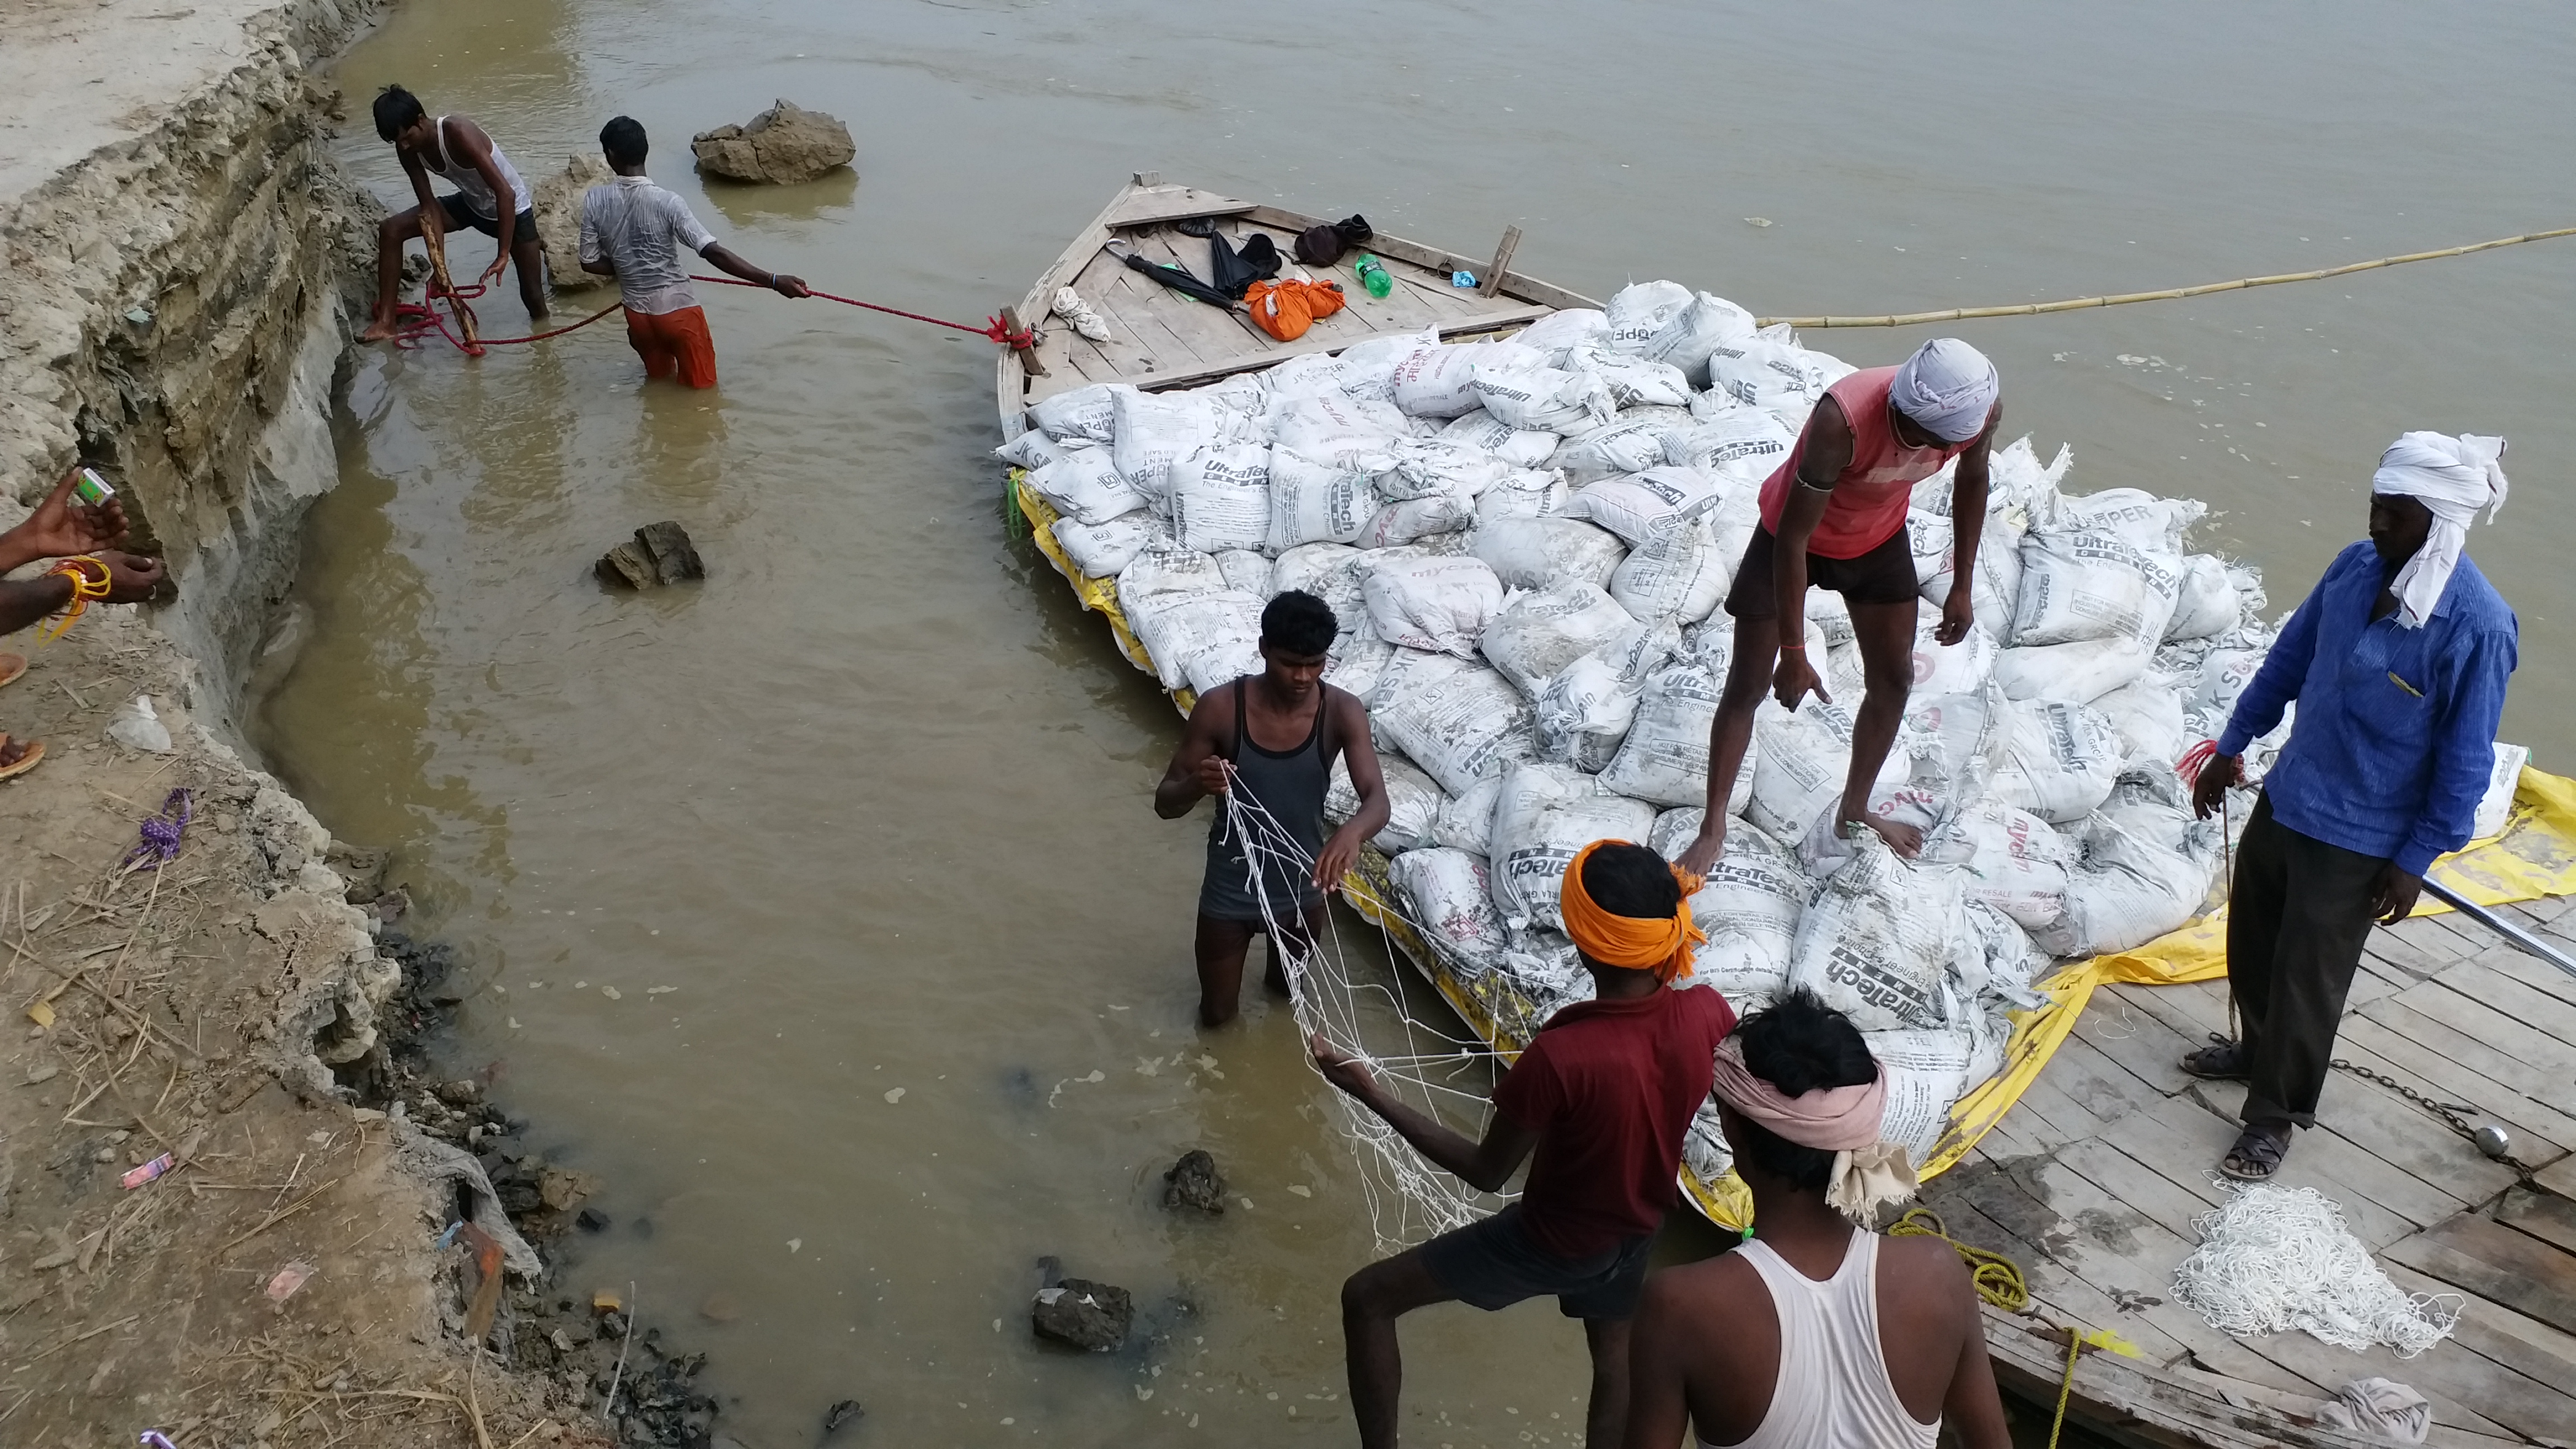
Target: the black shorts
(1493, 1264)
(460, 214)
(1884, 575)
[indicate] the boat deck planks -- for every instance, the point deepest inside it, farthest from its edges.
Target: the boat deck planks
(1160, 338)
(2093, 1180)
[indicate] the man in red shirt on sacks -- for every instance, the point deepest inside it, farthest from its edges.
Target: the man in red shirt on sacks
(1604, 1094)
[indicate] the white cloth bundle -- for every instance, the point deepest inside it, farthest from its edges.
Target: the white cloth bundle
(2455, 477)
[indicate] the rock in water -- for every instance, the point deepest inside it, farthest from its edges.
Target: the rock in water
(1193, 1183)
(557, 199)
(845, 1412)
(783, 145)
(1089, 1316)
(661, 553)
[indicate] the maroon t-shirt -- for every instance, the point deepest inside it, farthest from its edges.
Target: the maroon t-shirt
(1610, 1088)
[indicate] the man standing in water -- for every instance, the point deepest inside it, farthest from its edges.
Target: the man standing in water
(1833, 514)
(1272, 735)
(1815, 1333)
(1604, 1095)
(2398, 660)
(458, 149)
(637, 232)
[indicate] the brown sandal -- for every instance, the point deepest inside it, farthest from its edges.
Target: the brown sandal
(12, 666)
(2258, 1152)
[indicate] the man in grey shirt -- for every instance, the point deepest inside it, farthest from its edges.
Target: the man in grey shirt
(639, 233)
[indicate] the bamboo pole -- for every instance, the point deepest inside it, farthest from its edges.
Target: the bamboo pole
(2077, 304)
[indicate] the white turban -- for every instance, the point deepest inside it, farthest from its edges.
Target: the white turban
(2455, 477)
(1948, 387)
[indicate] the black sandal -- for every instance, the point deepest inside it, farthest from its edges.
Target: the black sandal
(2224, 1062)
(2258, 1152)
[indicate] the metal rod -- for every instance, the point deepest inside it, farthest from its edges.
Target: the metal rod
(2512, 933)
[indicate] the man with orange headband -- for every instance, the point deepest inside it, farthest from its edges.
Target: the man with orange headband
(1604, 1094)
(1816, 1333)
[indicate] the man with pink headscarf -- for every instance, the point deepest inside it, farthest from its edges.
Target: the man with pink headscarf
(2398, 662)
(1816, 1333)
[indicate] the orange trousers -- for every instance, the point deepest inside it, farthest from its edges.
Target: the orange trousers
(674, 344)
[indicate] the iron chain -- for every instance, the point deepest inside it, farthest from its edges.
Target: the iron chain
(2449, 1112)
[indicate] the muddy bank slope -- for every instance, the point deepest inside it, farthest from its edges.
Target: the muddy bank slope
(176, 259)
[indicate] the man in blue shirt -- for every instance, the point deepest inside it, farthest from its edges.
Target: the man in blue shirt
(2398, 661)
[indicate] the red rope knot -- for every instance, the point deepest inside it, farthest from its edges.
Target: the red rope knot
(1000, 331)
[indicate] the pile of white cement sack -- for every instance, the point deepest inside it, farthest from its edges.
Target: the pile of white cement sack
(1527, 542)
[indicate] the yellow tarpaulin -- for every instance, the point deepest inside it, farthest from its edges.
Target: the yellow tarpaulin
(2534, 856)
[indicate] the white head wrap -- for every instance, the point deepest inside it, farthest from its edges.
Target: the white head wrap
(1948, 387)
(2455, 477)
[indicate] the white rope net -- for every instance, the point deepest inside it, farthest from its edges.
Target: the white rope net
(1366, 1004)
(2276, 1258)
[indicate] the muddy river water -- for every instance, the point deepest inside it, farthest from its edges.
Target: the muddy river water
(872, 803)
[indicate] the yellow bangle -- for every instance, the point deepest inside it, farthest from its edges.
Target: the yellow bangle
(84, 589)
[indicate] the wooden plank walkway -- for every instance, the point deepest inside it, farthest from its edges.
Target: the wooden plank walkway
(2093, 1180)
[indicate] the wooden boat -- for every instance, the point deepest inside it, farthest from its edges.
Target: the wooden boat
(1162, 339)
(2091, 1180)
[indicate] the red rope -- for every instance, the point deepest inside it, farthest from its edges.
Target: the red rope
(419, 319)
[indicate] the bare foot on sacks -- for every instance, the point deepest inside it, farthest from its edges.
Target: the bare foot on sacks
(1904, 839)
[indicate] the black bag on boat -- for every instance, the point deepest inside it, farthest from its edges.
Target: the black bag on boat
(1322, 245)
(1232, 272)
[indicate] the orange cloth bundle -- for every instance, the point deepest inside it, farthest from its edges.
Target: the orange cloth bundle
(1286, 309)
(1662, 945)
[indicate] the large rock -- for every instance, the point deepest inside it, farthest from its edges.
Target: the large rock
(784, 144)
(558, 204)
(1087, 1315)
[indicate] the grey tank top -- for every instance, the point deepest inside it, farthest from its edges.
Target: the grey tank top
(1288, 784)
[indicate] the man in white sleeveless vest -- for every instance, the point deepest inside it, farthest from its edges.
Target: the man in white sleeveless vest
(1816, 1333)
(490, 197)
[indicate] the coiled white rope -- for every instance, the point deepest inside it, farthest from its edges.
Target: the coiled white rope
(2276, 1258)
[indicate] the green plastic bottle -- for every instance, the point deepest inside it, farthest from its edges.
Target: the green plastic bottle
(1373, 275)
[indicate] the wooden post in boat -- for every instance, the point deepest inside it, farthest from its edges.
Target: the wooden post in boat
(433, 236)
(1493, 283)
(1028, 351)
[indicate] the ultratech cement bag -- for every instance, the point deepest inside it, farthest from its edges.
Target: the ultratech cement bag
(1632, 442)
(1368, 368)
(1635, 381)
(1544, 399)
(1540, 631)
(1085, 412)
(1584, 710)
(1085, 485)
(2071, 673)
(1748, 905)
(1557, 334)
(2093, 584)
(1879, 941)
(1412, 520)
(1523, 493)
(1428, 466)
(1101, 551)
(1544, 815)
(1925, 1072)
(1246, 572)
(1531, 553)
(1440, 604)
(1747, 445)
(1800, 761)
(2016, 862)
(1665, 756)
(1645, 505)
(1679, 576)
(2208, 604)
(1197, 640)
(2147, 717)
(1413, 802)
(1782, 376)
(1447, 895)
(1460, 729)
(2061, 761)
(1156, 431)
(1520, 447)
(1440, 382)
(1708, 323)
(1467, 821)
(1313, 502)
(1221, 498)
